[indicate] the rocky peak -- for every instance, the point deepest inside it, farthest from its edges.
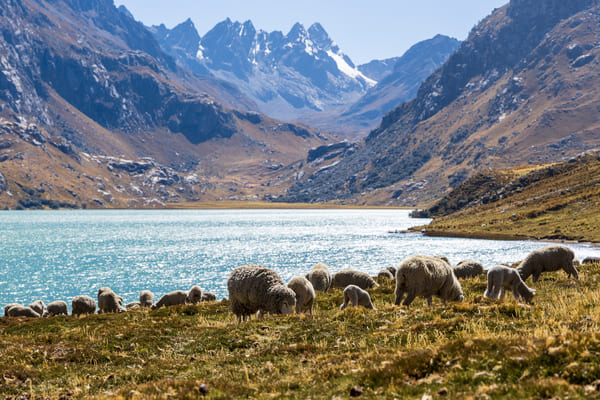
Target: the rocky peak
(184, 36)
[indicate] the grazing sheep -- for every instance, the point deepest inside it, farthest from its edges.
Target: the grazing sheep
(146, 298)
(22, 311)
(591, 260)
(208, 296)
(320, 277)
(133, 305)
(38, 306)
(253, 288)
(109, 302)
(548, 259)
(355, 296)
(83, 305)
(349, 277)
(57, 307)
(468, 269)
(385, 274)
(194, 295)
(392, 270)
(426, 276)
(500, 278)
(178, 297)
(8, 306)
(305, 294)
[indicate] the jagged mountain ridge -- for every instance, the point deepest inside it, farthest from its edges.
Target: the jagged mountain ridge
(94, 80)
(522, 88)
(286, 75)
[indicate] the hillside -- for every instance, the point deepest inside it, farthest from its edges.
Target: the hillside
(87, 77)
(554, 201)
(521, 89)
(475, 349)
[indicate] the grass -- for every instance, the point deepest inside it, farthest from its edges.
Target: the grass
(475, 349)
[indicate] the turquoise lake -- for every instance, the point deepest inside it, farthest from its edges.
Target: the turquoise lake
(56, 255)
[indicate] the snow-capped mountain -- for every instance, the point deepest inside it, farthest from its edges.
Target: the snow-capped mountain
(286, 75)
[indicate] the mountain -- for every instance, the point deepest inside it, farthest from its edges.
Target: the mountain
(287, 76)
(403, 81)
(379, 69)
(523, 88)
(88, 97)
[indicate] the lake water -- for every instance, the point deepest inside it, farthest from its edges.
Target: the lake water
(55, 255)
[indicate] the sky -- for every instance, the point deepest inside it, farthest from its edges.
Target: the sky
(364, 30)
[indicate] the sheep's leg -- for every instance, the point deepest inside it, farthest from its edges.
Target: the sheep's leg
(299, 303)
(410, 296)
(490, 289)
(310, 306)
(501, 294)
(516, 294)
(536, 276)
(429, 301)
(346, 301)
(399, 296)
(571, 270)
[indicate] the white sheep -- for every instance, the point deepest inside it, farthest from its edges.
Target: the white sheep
(194, 295)
(208, 296)
(355, 296)
(501, 278)
(426, 276)
(146, 298)
(109, 301)
(38, 306)
(347, 277)
(22, 311)
(320, 277)
(305, 294)
(548, 259)
(468, 269)
(8, 306)
(133, 305)
(255, 288)
(83, 305)
(385, 274)
(175, 298)
(57, 307)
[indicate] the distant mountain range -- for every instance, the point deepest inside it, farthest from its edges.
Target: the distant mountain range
(303, 75)
(523, 88)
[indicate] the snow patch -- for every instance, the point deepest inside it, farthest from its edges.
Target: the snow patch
(348, 70)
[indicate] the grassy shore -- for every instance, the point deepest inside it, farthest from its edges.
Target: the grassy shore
(258, 205)
(475, 349)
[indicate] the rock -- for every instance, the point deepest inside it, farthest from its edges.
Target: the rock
(583, 60)
(3, 183)
(134, 167)
(356, 391)
(63, 145)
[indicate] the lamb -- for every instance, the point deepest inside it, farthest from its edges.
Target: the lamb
(194, 295)
(108, 301)
(426, 276)
(355, 296)
(133, 305)
(385, 274)
(8, 306)
(320, 277)
(255, 288)
(305, 294)
(146, 298)
(83, 305)
(349, 277)
(501, 277)
(208, 296)
(22, 311)
(38, 306)
(175, 298)
(548, 259)
(468, 269)
(58, 307)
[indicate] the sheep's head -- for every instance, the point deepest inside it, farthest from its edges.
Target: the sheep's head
(287, 301)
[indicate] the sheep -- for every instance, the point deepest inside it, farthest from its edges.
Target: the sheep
(194, 295)
(208, 296)
(468, 269)
(320, 277)
(305, 294)
(385, 274)
(501, 277)
(108, 301)
(590, 260)
(548, 259)
(255, 288)
(57, 307)
(426, 276)
(349, 277)
(38, 306)
(146, 298)
(22, 311)
(133, 305)
(175, 298)
(443, 258)
(83, 305)
(8, 306)
(392, 270)
(355, 296)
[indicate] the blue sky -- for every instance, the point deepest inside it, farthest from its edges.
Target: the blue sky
(364, 30)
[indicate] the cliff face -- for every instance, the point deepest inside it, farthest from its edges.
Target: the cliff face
(522, 88)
